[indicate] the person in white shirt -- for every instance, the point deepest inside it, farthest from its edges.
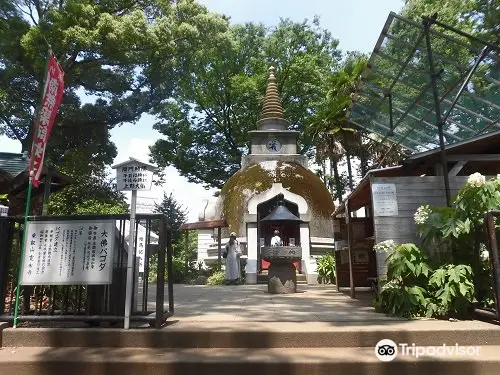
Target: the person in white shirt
(232, 255)
(276, 240)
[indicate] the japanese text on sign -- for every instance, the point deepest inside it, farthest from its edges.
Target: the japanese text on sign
(134, 177)
(64, 253)
(385, 201)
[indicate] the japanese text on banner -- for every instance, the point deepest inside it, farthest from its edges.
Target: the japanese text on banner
(52, 96)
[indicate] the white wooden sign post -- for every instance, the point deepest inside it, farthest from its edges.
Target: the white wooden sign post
(132, 175)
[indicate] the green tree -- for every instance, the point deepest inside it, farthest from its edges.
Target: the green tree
(112, 50)
(175, 215)
(334, 138)
(477, 17)
(106, 48)
(87, 195)
(205, 125)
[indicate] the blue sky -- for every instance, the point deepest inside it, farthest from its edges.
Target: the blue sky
(355, 23)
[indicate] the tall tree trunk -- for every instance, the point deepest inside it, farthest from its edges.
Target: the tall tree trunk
(338, 183)
(26, 142)
(363, 157)
(325, 180)
(349, 168)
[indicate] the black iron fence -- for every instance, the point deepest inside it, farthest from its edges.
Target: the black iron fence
(93, 304)
(491, 231)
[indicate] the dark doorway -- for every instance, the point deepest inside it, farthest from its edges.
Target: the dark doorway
(289, 230)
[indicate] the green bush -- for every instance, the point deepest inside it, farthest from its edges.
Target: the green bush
(453, 291)
(408, 263)
(404, 293)
(217, 278)
(402, 300)
(459, 229)
(178, 268)
(325, 266)
(414, 290)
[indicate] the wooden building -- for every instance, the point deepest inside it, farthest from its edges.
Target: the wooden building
(14, 182)
(390, 198)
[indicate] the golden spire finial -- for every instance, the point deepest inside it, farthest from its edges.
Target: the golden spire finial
(272, 105)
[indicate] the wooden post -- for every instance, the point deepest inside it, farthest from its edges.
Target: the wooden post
(219, 247)
(349, 245)
(46, 192)
(337, 263)
(186, 244)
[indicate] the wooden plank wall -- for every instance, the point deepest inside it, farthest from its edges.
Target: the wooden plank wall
(412, 192)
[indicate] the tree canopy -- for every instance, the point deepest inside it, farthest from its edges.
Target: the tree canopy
(476, 17)
(202, 77)
(205, 124)
(111, 50)
(175, 215)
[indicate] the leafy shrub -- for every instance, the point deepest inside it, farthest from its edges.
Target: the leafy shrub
(178, 268)
(414, 290)
(460, 228)
(402, 300)
(452, 289)
(408, 263)
(326, 269)
(217, 278)
(404, 293)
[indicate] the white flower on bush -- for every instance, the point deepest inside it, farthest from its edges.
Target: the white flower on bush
(476, 180)
(484, 253)
(385, 246)
(422, 214)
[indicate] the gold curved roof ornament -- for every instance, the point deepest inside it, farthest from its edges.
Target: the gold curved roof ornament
(272, 107)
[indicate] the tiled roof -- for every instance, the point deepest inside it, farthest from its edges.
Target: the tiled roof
(13, 163)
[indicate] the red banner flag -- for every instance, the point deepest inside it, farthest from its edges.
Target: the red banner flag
(52, 96)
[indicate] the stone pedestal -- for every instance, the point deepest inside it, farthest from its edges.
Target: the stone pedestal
(282, 275)
(282, 278)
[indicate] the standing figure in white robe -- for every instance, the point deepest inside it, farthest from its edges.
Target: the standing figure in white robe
(232, 260)
(276, 240)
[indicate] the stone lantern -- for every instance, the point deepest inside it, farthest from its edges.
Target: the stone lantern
(282, 278)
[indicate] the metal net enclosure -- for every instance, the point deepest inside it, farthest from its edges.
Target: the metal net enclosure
(428, 85)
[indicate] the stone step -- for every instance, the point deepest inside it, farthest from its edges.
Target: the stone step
(245, 334)
(241, 361)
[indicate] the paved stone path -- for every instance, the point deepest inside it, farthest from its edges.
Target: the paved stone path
(312, 303)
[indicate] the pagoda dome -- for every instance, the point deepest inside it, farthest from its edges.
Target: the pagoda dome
(232, 204)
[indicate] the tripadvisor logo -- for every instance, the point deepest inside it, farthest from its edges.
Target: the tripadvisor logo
(386, 350)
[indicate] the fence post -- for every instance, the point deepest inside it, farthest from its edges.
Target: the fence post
(6, 236)
(160, 275)
(170, 270)
(495, 264)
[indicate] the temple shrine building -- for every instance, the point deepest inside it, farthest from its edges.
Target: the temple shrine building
(274, 179)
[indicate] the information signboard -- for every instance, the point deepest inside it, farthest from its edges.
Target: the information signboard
(384, 198)
(68, 252)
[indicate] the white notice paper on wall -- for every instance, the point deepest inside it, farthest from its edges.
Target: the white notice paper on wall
(384, 199)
